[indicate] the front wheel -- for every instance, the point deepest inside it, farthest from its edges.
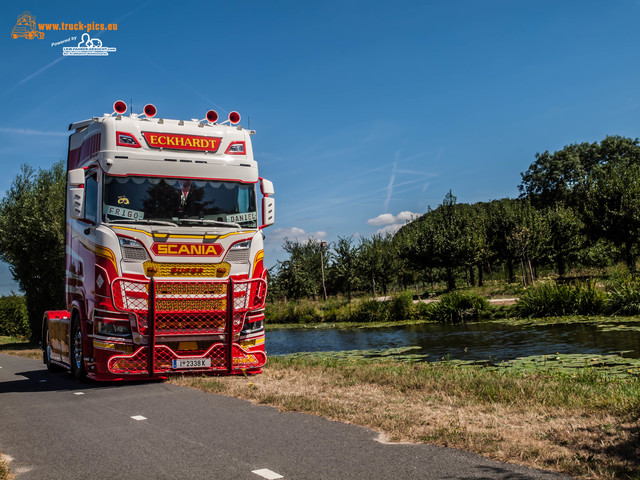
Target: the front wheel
(76, 353)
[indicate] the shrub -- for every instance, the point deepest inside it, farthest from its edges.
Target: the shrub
(372, 311)
(303, 312)
(551, 299)
(401, 306)
(14, 320)
(457, 307)
(624, 299)
(420, 311)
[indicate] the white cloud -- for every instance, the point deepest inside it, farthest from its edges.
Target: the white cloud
(407, 216)
(389, 219)
(390, 229)
(383, 219)
(293, 233)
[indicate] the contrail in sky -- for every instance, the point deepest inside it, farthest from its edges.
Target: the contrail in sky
(29, 77)
(391, 180)
(29, 131)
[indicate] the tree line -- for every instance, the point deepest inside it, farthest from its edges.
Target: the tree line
(578, 207)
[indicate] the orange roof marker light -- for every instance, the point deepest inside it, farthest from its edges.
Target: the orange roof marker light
(119, 107)
(150, 110)
(234, 117)
(212, 116)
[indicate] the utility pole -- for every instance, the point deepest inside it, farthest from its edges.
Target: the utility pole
(323, 245)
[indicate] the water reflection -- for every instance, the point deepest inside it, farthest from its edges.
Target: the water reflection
(481, 341)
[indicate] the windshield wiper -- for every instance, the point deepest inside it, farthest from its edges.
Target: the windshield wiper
(210, 222)
(144, 220)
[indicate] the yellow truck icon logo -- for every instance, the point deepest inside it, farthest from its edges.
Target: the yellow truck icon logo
(26, 27)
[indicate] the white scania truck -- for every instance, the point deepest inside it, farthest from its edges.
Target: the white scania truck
(164, 249)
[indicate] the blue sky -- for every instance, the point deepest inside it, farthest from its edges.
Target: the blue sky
(363, 109)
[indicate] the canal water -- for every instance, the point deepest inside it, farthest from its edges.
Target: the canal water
(476, 342)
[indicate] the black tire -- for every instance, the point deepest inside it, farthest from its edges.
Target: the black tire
(76, 354)
(46, 355)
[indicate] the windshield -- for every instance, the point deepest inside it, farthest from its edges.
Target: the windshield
(179, 201)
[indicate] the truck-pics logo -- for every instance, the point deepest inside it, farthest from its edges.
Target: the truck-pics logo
(88, 46)
(25, 27)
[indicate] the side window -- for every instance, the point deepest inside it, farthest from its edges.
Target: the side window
(91, 198)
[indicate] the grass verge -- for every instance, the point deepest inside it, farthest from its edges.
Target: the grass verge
(5, 473)
(19, 347)
(584, 423)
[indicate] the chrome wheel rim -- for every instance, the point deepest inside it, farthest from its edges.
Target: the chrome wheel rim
(77, 347)
(48, 347)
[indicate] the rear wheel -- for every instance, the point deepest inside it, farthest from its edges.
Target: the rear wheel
(76, 354)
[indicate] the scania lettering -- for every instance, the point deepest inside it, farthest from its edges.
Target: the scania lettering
(164, 249)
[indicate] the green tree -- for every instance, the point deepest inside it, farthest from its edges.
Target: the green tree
(515, 234)
(612, 207)
(32, 239)
(450, 237)
(301, 275)
(564, 236)
(344, 269)
(553, 177)
(527, 237)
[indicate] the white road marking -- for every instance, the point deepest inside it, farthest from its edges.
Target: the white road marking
(139, 417)
(266, 473)
(42, 381)
(78, 393)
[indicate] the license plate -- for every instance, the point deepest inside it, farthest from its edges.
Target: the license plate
(191, 363)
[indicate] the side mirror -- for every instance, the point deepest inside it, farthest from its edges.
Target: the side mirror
(75, 193)
(268, 203)
(268, 211)
(266, 187)
(75, 203)
(75, 177)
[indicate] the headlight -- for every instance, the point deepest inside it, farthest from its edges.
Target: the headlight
(104, 327)
(129, 242)
(241, 245)
(132, 250)
(239, 252)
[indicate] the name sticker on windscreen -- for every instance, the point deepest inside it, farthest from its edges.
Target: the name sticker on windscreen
(242, 217)
(123, 212)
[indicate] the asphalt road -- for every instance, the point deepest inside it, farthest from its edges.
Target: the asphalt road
(53, 427)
